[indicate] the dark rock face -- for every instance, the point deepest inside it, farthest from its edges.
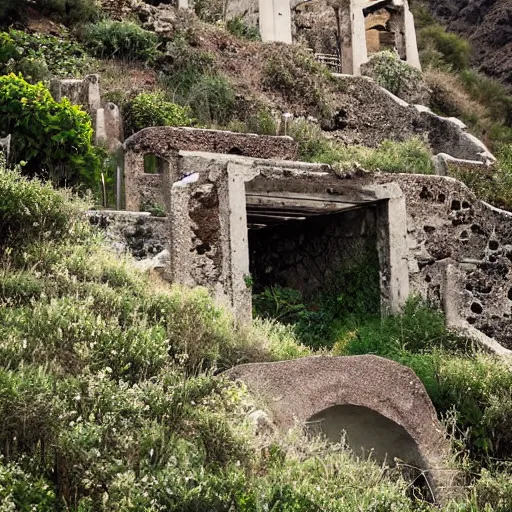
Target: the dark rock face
(488, 25)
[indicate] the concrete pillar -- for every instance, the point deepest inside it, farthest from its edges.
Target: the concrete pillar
(392, 248)
(182, 4)
(359, 51)
(133, 168)
(353, 36)
(411, 44)
(275, 20)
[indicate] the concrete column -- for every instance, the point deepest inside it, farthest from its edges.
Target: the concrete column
(358, 34)
(133, 167)
(411, 44)
(392, 248)
(275, 21)
(240, 293)
(182, 4)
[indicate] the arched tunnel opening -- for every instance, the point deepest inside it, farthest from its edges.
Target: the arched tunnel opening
(369, 434)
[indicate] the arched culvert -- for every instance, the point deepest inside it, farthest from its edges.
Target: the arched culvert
(367, 433)
(356, 391)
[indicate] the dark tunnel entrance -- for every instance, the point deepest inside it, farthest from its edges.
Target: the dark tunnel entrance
(323, 250)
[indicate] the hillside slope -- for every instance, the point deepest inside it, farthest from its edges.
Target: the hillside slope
(488, 25)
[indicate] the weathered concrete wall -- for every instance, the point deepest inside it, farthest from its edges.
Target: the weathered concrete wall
(165, 142)
(306, 254)
(448, 226)
(136, 233)
(307, 389)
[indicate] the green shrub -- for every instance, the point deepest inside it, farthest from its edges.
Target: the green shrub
(152, 109)
(39, 57)
(262, 123)
(494, 491)
(494, 184)
(239, 28)
(70, 11)
(410, 156)
(121, 40)
(439, 47)
(212, 100)
(53, 139)
(299, 79)
(22, 491)
(30, 211)
(395, 75)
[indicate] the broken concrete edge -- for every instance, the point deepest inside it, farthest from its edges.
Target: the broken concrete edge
(441, 161)
(295, 391)
(455, 321)
(478, 148)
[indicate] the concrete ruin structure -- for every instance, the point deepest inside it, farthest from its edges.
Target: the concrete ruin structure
(359, 27)
(106, 118)
(379, 408)
(235, 205)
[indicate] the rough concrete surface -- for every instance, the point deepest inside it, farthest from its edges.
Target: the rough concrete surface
(301, 390)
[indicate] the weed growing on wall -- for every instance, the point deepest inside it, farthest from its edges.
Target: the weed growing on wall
(411, 156)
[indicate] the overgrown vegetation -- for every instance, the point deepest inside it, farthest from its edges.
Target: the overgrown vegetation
(108, 400)
(192, 79)
(492, 184)
(412, 155)
(121, 40)
(40, 57)
(295, 74)
(395, 75)
(70, 12)
(482, 102)
(54, 140)
(351, 292)
(239, 28)
(153, 109)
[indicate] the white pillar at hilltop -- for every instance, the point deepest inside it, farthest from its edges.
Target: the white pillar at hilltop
(275, 20)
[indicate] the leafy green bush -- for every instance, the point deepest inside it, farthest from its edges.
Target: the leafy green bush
(53, 139)
(210, 11)
(494, 491)
(395, 75)
(440, 48)
(212, 100)
(21, 491)
(121, 40)
(39, 57)
(239, 28)
(152, 109)
(70, 11)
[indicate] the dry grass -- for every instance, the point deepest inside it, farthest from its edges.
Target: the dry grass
(449, 96)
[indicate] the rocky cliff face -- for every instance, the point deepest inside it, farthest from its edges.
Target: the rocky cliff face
(488, 25)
